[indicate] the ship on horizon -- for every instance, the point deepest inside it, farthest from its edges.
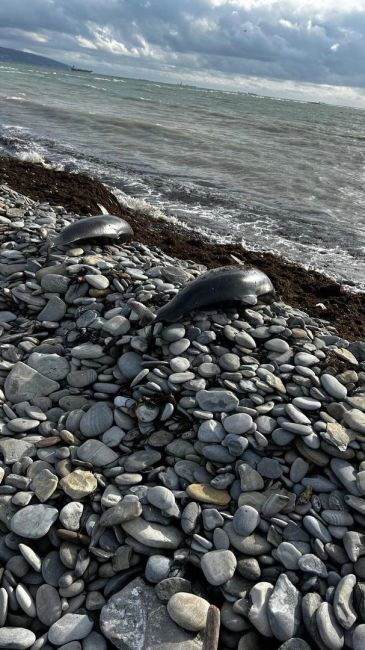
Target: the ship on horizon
(75, 69)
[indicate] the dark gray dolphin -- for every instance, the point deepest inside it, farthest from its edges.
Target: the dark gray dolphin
(227, 284)
(104, 225)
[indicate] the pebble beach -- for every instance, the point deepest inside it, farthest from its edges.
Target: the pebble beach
(149, 472)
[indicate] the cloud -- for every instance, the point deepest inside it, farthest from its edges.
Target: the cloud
(300, 41)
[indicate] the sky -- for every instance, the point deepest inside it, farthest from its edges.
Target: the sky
(302, 49)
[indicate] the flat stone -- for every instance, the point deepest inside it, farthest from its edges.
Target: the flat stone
(97, 420)
(71, 627)
(346, 473)
(78, 484)
(44, 485)
(343, 605)
(238, 423)
(317, 529)
(329, 629)
(205, 493)
(16, 638)
(333, 387)
(218, 566)
(157, 568)
(52, 366)
(163, 499)
(71, 514)
(250, 479)
(355, 419)
(34, 522)
(135, 619)
(310, 563)
(354, 544)
(284, 609)
(216, 400)
(129, 508)
(258, 612)
(153, 535)
(53, 283)
(82, 378)
(96, 453)
(130, 364)
(54, 310)
(24, 384)
(245, 520)
(251, 545)
(87, 351)
(14, 450)
(117, 326)
(188, 611)
(48, 604)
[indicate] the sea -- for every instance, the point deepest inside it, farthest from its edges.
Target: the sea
(273, 174)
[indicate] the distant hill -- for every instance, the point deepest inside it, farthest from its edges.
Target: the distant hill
(9, 55)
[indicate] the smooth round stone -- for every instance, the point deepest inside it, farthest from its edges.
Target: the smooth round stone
(4, 600)
(329, 629)
(157, 568)
(346, 473)
(295, 644)
(245, 340)
(298, 470)
(355, 419)
(96, 453)
(316, 529)
(212, 518)
(97, 281)
(95, 641)
(152, 534)
(218, 566)
(179, 364)
(25, 600)
(216, 400)
(229, 362)
(163, 499)
(97, 420)
(71, 514)
(113, 436)
(310, 563)
(117, 326)
(358, 637)
(179, 347)
(277, 345)
(78, 484)
(217, 454)
(87, 351)
(211, 431)
(147, 412)
(31, 557)
(238, 423)
(16, 638)
(208, 370)
(305, 359)
(52, 366)
(245, 520)
(188, 611)
(71, 627)
(181, 377)
(173, 332)
(20, 425)
(33, 522)
(130, 364)
(288, 555)
(306, 403)
(258, 613)
(205, 493)
(333, 387)
(48, 604)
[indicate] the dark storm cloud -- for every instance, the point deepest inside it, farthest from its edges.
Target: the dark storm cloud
(308, 40)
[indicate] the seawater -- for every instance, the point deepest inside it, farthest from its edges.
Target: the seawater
(277, 175)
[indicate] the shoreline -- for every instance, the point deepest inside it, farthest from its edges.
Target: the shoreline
(297, 286)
